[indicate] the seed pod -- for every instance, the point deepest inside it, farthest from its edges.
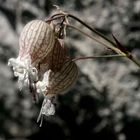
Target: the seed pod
(61, 81)
(56, 58)
(36, 40)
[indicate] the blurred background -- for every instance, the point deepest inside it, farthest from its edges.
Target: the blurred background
(105, 101)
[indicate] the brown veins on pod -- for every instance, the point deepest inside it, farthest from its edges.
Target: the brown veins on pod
(44, 65)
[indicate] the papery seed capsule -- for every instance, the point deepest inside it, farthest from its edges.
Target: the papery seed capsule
(36, 40)
(62, 80)
(56, 58)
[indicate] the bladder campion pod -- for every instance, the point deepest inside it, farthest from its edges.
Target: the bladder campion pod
(36, 40)
(56, 58)
(61, 81)
(59, 55)
(54, 83)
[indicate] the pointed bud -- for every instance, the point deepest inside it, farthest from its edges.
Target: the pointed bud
(119, 45)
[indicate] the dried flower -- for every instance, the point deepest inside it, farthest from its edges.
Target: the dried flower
(43, 64)
(36, 42)
(54, 83)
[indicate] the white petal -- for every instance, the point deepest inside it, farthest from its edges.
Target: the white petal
(41, 87)
(47, 108)
(23, 70)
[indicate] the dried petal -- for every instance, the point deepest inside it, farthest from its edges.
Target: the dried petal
(47, 109)
(24, 71)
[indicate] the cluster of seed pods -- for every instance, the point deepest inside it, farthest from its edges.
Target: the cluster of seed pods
(43, 64)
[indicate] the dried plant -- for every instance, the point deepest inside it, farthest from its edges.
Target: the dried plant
(44, 64)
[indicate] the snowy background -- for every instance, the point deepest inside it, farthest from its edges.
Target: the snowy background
(104, 103)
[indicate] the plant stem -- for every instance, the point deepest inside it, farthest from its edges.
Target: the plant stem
(95, 38)
(93, 57)
(115, 49)
(106, 42)
(54, 17)
(90, 28)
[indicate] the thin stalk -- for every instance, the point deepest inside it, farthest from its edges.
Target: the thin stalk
(93, 57)
(130, 57)
(58, 14)
(109, 44)
(90, 28)
(96, 39)
(113, 45)
(54, 17)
